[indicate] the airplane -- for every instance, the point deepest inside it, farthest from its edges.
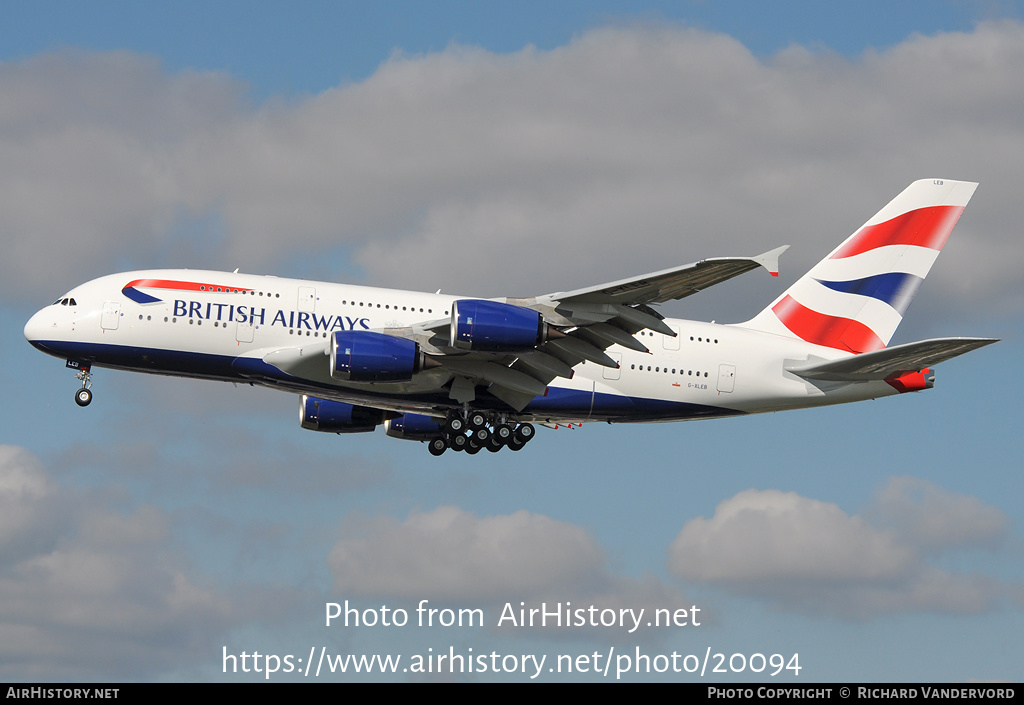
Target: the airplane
(465, 373)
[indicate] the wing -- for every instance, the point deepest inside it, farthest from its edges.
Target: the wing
(889, 362)
(669, 284)
(575, 326)
(584, 323)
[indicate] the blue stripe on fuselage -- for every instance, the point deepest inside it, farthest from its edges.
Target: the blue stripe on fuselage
(616, 407)
(139, 297)
(559, 403)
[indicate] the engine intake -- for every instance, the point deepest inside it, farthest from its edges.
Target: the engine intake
(336, 416)
(493, 326)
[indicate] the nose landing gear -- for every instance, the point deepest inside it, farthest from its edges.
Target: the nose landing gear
(84, 395)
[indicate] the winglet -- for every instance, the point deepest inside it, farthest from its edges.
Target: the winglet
(770, 260)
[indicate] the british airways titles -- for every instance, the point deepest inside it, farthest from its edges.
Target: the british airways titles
(231, 313)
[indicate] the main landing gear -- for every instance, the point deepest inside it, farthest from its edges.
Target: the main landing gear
(472, 431)
(84, 395)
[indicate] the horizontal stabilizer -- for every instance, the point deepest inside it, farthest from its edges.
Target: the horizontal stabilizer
(888, 362)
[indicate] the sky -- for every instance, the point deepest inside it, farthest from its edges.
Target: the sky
(500, 149)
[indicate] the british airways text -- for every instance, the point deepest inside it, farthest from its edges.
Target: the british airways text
(258, 316)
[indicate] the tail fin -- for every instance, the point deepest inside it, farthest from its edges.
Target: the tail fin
(854, 299)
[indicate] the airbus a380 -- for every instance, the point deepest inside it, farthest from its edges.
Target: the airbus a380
(467, 374)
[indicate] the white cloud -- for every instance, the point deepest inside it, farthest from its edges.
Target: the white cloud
(22, 479)
(32, 516)
(772, 535)
(450, 555)
(627, 149)
(933, 519)
(100, 593)
(810, 556)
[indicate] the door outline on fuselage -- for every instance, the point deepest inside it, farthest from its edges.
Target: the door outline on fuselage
(726, 378)
(111, 315)
(307, 299)
(244, 331)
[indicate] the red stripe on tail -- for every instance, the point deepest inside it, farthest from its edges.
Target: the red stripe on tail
(830, 331)
(924, 227)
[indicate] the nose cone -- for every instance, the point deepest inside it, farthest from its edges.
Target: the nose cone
(37, 328)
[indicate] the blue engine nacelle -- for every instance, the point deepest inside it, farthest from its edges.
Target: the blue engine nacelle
(337, 417)
(365, 356)
(490, 325)
(413, 427)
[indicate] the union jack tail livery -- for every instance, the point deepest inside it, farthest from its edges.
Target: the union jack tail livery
(854, 299)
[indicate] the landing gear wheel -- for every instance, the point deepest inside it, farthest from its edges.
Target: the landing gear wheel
(458, 442)
(525, 432)
(494, 445)
(516, 444)
(482, 436)
(472, 448)
(83, 397)
(477, 420)
(503, 433)
(455, 425)
(437, 446)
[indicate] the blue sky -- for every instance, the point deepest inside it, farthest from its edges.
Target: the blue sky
(280, 48)
(500, 149)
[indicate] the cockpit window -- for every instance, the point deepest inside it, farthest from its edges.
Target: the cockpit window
(66, 301)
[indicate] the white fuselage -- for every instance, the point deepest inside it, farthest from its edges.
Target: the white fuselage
(226, 323)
